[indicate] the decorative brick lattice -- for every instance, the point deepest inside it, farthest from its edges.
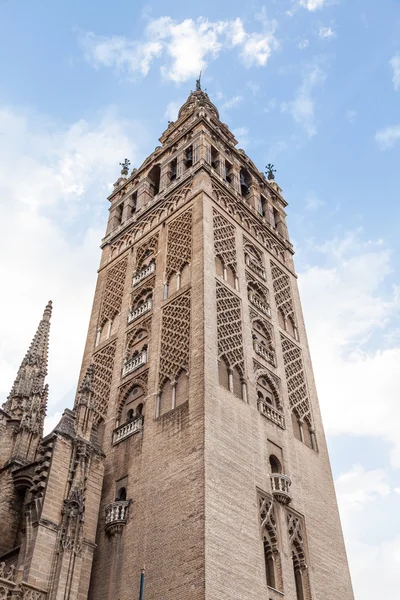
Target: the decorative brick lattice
(175, 338)
(153, 217)
(179, 243)
(283, 292)
(149, 246)
(103, 370)
(224, 241)
(249, 222)
(229, 325)
(113, 291)
(295, 379)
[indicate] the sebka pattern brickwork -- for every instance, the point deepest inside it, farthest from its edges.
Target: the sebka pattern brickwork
(103, 370)
(296, 380)
(283, 293)
(179, 244)
(113, 291)
(229, 327)
(175, 339)
(224, 241)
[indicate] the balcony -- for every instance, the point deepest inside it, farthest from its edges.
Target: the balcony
(116, 516)
(256, 267)
(134, 363)
(127, 429)
(280, 485)
(271, 413)
(140, 310)
(262, 306)
(267, 354)
(138, 278)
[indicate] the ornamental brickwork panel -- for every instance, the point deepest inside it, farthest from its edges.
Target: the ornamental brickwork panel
(283, 292)
(295, 379)
(149, 246)
(103, 370)
(179, 243)
(229, 328)
(113, 291)
(224, 241)
(175, 339)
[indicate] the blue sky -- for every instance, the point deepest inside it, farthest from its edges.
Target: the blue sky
(310, 85)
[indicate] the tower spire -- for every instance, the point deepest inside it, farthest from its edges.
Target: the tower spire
(28, 396)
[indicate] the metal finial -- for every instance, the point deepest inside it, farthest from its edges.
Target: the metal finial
(270, 172)
(198, 83)
(125, 166)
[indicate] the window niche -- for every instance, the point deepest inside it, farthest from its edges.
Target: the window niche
(177, 281)
(172, 170)
(215, 158)
(231, 379)
(245, 181)
(154, 179)
(173, 393)
(228, 172)
(188, 157)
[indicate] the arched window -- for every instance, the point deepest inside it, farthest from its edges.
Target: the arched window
(275, 464)
(121, 494)
(245, 181)
(139, 409)
(130, 414)
(154, 178)
(298, 581)
(265, 391)
(269, 564)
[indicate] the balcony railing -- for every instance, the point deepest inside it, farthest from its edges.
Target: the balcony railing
(271, 413)
(262, 306)
(138, 278)
(256, 267)
(280, 485)
(116, 516)
(269, 355)
(140, 310)
(127, 429)
(134, 363)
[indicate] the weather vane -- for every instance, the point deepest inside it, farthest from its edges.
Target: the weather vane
(125, 166)
(270, 172)
(198, 83)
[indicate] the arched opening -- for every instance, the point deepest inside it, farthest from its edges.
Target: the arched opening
(130, 414)
(290, 327)
(165, 398)
(185, 275)
(307, 437)
(129, 407)
(181, 389)
(269, 564)
(298, 579)
(154, 178)
(265, 391)
(118, 214)
(188, 157)
(230, 276)
(297, 427)
(223, 374)
(275, 464)
(281, 320)
(121, 496)
(237, 383)
(219, 266)
(245, 181)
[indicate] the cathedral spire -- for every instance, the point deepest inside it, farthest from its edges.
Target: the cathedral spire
(28, 396)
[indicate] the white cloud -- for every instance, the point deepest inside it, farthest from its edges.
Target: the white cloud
(303, 44)
(313, 203)
(53, 187)
(395, 64)
(326, 32)
(171, 112)
(312, 4)
(302, 107)
(232, 102)
(345, 308)
(187, 46)
(388, 137)
(369, 513)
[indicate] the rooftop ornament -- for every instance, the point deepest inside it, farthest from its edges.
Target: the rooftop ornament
(270, 172)
(198, 83)
(125, 167)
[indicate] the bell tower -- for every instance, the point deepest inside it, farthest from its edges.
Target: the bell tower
(217, 476)
(193, 465)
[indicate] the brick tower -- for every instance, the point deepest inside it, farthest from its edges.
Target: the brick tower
(195, 446)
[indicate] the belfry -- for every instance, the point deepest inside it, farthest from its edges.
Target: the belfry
(193, 465)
